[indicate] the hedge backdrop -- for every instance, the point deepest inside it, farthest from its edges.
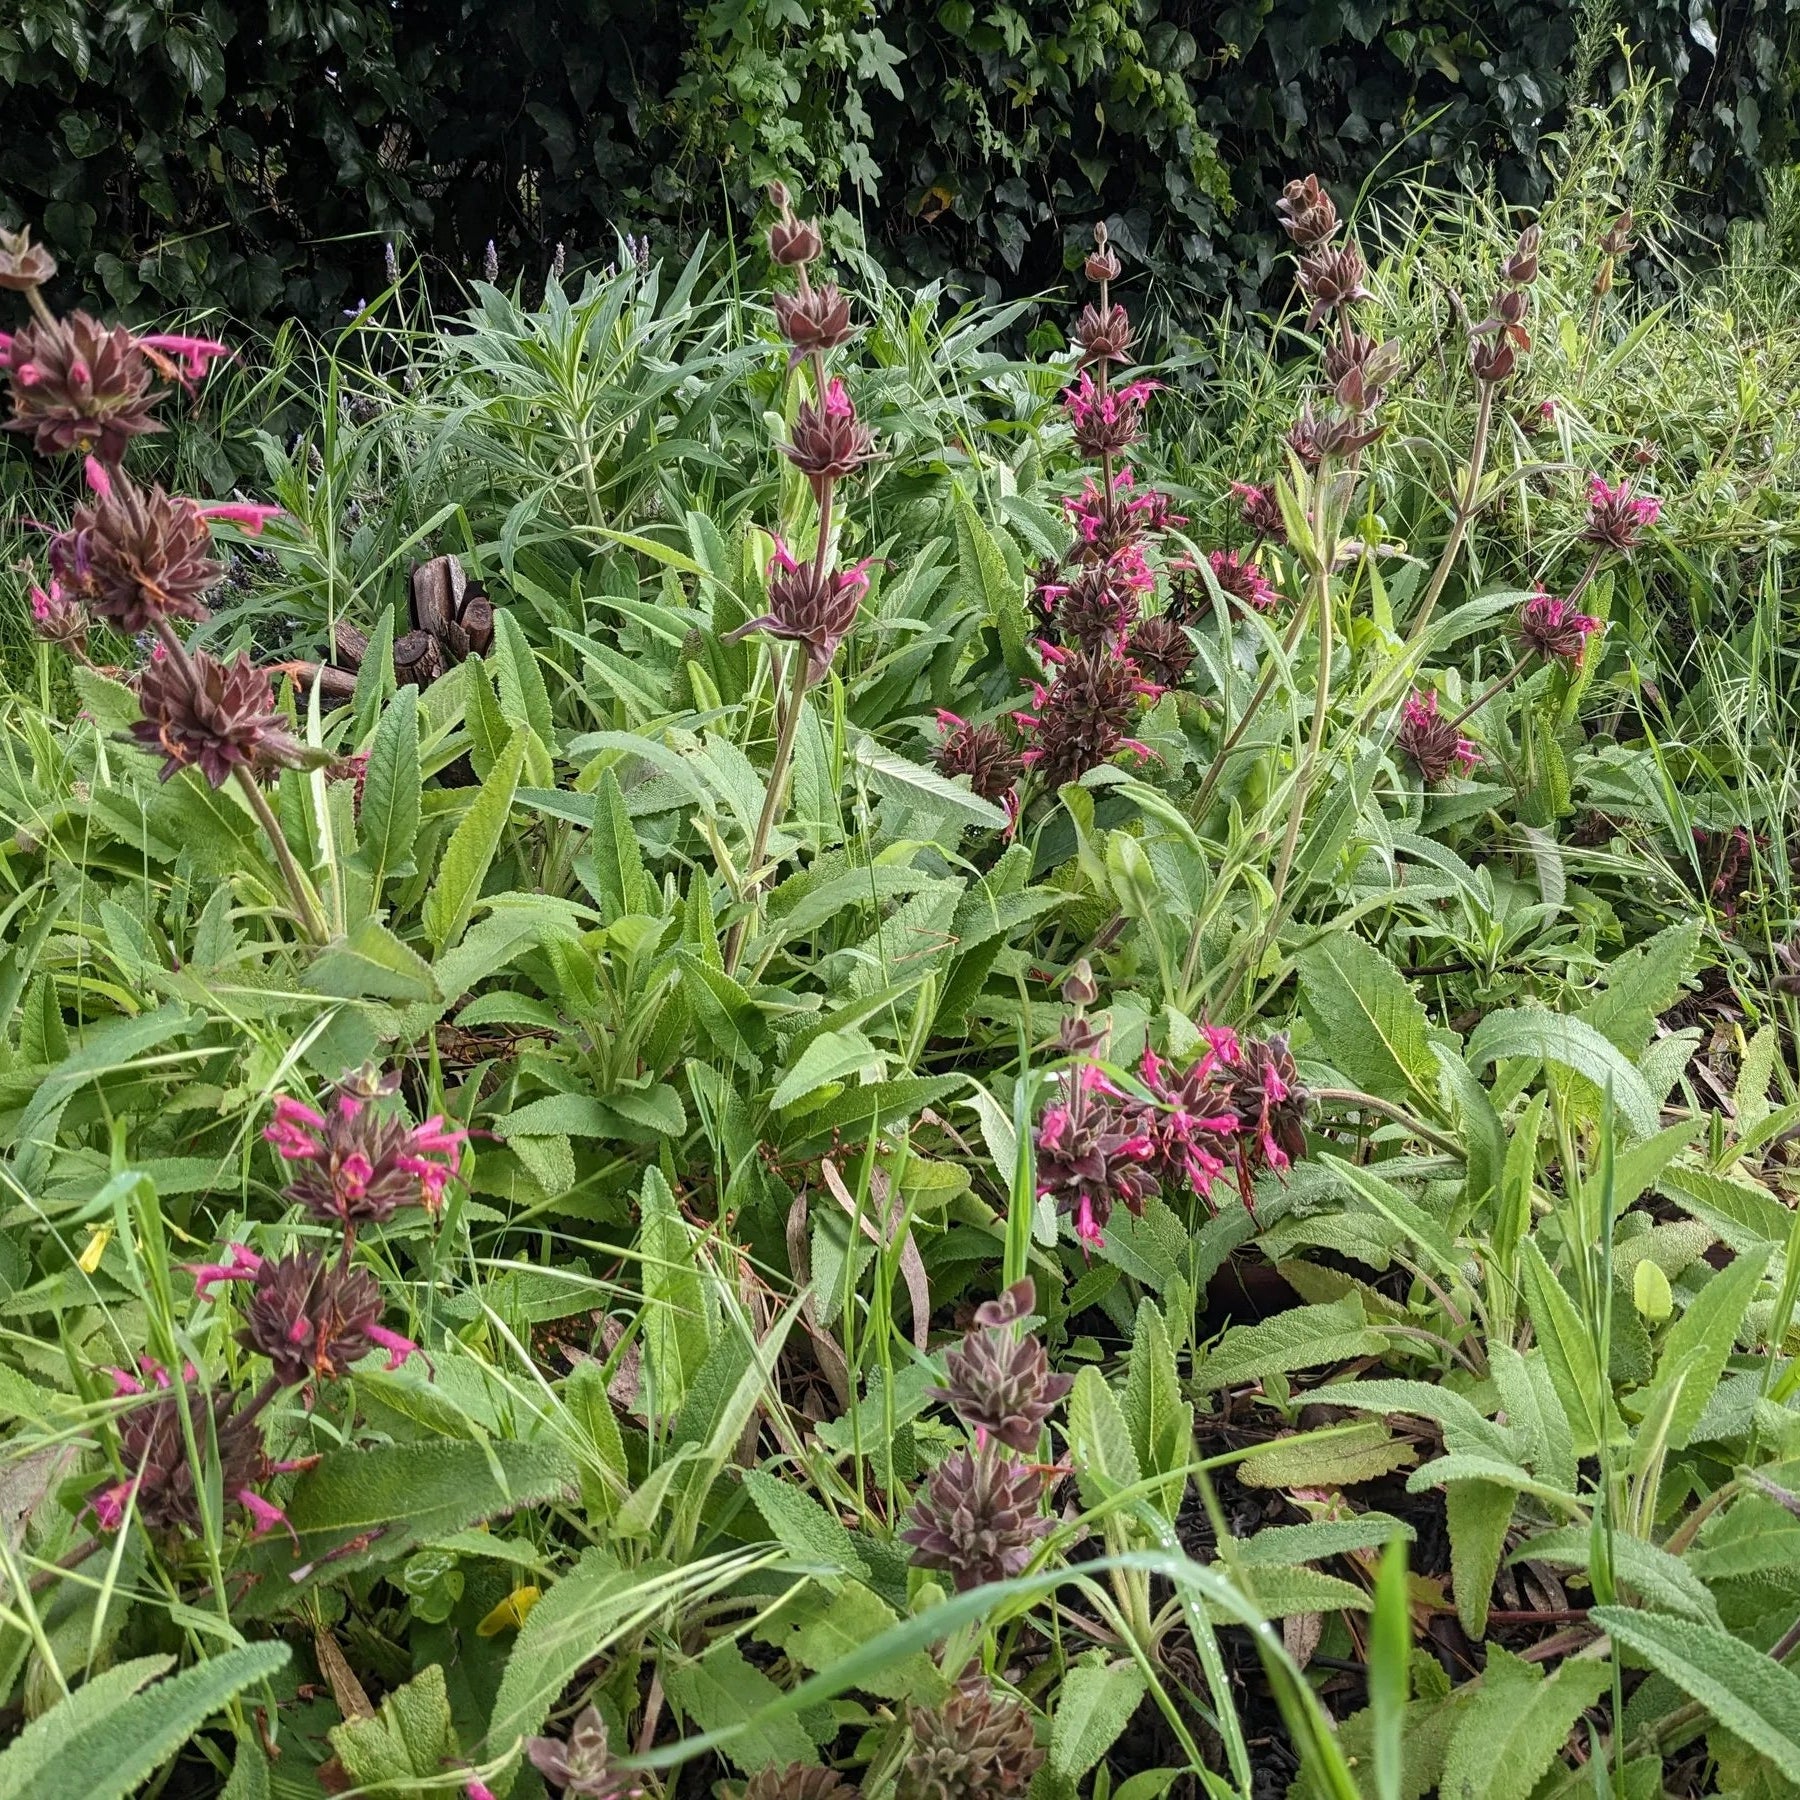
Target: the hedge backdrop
(258, 156)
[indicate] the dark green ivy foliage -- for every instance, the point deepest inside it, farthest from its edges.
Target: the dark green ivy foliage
(257, 156)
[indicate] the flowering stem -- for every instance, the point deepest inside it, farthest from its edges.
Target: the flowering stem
(39, 309)
(1325, 530)
(304, 905)
(787, 732)
(1211, 779)
(1493, 687)
(1355, 1097)
(1587, 575)
(1466, 509)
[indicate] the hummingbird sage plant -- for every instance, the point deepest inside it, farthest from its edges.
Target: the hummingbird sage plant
(140, 560)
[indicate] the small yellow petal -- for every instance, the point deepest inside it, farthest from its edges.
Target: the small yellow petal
(510, 1614)
(98, 1239)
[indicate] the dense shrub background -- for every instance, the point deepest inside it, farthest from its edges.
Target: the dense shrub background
(256, 156)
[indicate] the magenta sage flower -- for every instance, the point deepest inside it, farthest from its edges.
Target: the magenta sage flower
(354, 1164)
(1431, 743)
(1107, 420)
(1617, 517)
(1553, 629)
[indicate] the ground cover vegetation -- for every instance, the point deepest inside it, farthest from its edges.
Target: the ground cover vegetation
(749, 1050)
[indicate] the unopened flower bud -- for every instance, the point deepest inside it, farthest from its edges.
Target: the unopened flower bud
(1522, 266)
(1079, 987)
(793, 241)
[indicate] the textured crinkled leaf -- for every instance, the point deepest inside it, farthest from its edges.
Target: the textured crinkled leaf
(723, 1689)
(1516, 1725)
(1336, 1456)
(1305, 1338)
(1754, 1697)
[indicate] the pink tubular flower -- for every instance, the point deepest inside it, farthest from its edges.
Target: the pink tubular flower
(1241, 580)
(124, 1382)
(191, 355)
(266, 1514)
(398, 1348)
(359, 1163)
(109, 1505)
(1108, 524)
(1553, 629)
(1617, 517)
(1107, 420)
(241, 1264)
(1431, 742)
(248, 516)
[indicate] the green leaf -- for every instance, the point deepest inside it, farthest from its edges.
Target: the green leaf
(1642, 984)
(1744, 1213)
(1304, 1338)
(1653, 1575)
(1697, 1345)
(572, 1623)
(389, 821)
(1095, 1704)
(987, 581)
(1390, 1671)
(1334, 1456)
(1528, 1032)
(524, 700)
(618, 863)
(1478, 1514)
(723, 1689)
(805, 1529)
(1516, 1726)
(47, 1736)
(1294, 1544)
(1105, 1461)
(924, 786)
(409, 1739)
(371, 964)
(117, 1745)
(1464, 1427)
(1161, 1422)
(1279, 1592)
(1581, 1385)
(470, 853)
(388, 1498)
(1754, 1697)
(820, 1631)
(676, 1333)
(1369, 1022)
(823, 1065)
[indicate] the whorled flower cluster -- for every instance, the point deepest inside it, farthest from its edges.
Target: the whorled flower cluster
(1618, 517)
(1238, 1107)
(311, 1314)
(582, 1765)
(978, 1518)
(1432, 743)
(978, 1745)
